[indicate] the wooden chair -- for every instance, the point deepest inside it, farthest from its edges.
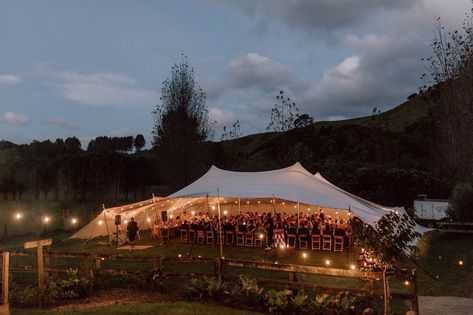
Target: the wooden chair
(184, 236)
(220, 237)
(315, 241)
(259, 240)
(327, 242)
(338, 243)
(210, 237)
(250, 240)
(200, 237)
(291, 240)
(229, 237)
(303, 241)
(191, 237)
(240, 238)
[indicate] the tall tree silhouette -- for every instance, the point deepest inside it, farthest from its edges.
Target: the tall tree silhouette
(181, 126)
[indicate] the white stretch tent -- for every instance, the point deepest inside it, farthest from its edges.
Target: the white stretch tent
(283, 190)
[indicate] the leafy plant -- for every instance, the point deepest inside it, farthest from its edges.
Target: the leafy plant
(208, 288)
(247, 291)
(300, 303)
(277, 301)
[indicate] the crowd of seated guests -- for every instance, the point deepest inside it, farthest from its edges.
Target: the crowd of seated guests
(264, 223)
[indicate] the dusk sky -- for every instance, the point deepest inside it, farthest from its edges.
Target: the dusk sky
(92, 68)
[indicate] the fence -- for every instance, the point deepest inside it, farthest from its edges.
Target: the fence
(94, 266)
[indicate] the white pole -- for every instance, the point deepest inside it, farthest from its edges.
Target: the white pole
(106, 225)
(239, 206)
(220, 223)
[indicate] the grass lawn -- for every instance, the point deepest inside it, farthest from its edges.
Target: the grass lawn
(179, 308)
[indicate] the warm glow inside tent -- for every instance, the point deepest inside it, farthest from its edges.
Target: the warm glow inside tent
(291, 190)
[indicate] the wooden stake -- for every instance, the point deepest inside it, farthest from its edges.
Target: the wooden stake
(40, 275)
(219, 224)
(4, 307)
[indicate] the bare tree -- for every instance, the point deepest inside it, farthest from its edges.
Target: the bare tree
(283, 114)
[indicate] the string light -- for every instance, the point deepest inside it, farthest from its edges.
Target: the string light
(193, 212)
(148, 219)
(179, 256)
(352, 267)
(327, 262)
(304, 255)
(18, 216)
(281, 246)
(261, 236)
(213, 207)
(74, 221)
(460, 262)
(46, 219)
(171, 216)
(100, 222)
(126, 221)
(225, 212)
(406, 282)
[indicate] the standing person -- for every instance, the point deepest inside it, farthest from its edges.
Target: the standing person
(132, 228)
(269, 230)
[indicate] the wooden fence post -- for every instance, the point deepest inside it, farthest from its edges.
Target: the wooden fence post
(39, 247)
(415, 301)
(4, 306)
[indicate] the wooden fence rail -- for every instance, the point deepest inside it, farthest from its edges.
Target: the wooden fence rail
(92, 264)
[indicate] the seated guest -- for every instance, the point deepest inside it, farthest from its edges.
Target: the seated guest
(242, 227)
(328, 229)
(184, 225)
(339, 232)
(251, 227)
(316, 229)
(303, 230)
(291, 229)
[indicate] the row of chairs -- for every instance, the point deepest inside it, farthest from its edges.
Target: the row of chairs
(228, 238)
(317, 242)
(313, 241)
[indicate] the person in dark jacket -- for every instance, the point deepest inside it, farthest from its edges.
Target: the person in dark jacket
(132, 228)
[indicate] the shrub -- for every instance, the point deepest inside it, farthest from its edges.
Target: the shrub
(206, 287)
(247, 291)
(277, 301)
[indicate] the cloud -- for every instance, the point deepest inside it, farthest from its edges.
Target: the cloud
(221, 116)
(59, 122)
(15, 119)
(101, 89)
(8, 79)
(255, 71)
(320, 15)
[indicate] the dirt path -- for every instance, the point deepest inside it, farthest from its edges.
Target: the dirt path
(443, 305)
(115, 296)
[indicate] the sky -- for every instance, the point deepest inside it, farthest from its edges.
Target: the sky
(95, 68)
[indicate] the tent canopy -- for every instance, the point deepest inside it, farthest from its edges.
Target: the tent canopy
(293, 183)
(282, 190)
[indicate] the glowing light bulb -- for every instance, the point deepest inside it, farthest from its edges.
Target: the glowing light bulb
(74, 221)
(460, 263)
(193, 212)
(100, 222)
(261, 236)
(304, 255)
(171, 216)
(18, 216)
(148, 219)
(179, 256)
(46, 219)
(225, 212)
(406, 282)
(352, 267)
(126, 221)
(213, 207)
(327, 262)
(281, 246)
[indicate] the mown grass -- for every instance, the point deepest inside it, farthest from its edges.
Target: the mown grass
(179, 308)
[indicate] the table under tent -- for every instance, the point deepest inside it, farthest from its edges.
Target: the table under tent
(291, 190)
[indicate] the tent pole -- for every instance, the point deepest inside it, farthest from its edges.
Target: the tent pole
(298, 211)
(239, 206)
(211, 228)
(154, 207)
(274, 205)
(106, 225)
(219, 223)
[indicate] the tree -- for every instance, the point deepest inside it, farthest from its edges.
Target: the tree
(283, 114)
(388, 242)
(303, 120)
(232, 133)
(73, 145)
(461, 207)
(450, 68)
(181, 126)
(139, 142)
